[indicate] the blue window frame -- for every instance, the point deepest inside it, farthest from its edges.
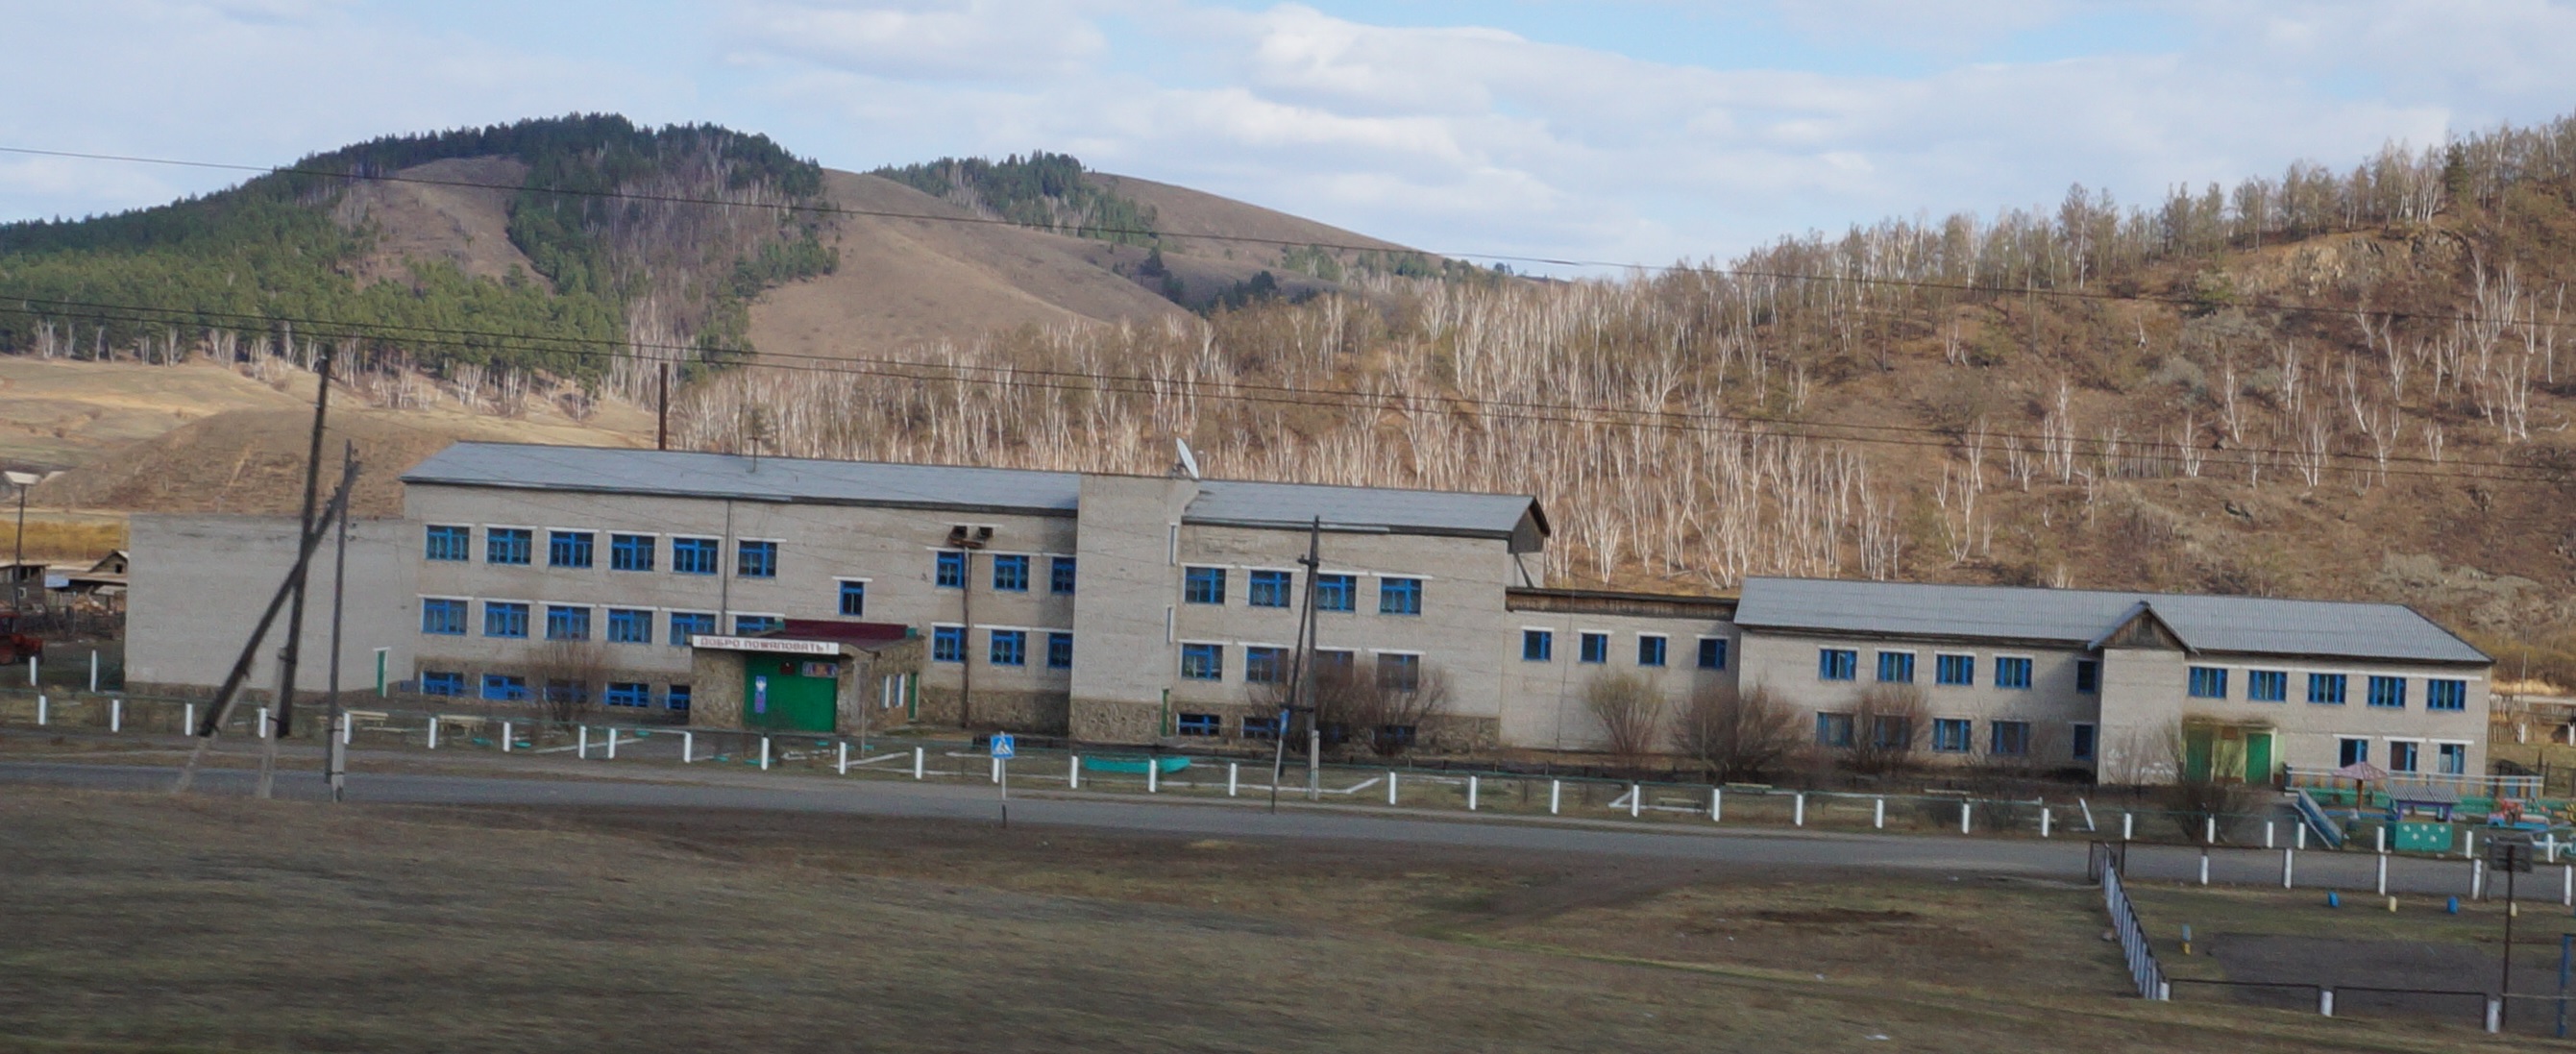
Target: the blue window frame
(2326, 688)
(755, 625)
(1009, 647)
(2088, 676)
(2352, 750)
(442, 683)
(1203, 662)
(687, 624)
(506, 688)
(1712, 653)
(630, 552)
(1896, 667)
(2453, 758)
(1261, 727)
(1837, 664)
(2081, 744)
(630, 626)
(1538, 645)
(947, 643)
(2208, 682)
(1950, 735)
(950, 570)
(2387, 693)
(627, 693)
(755, 559)
(2446, 694)
(1399, 672)
(568, 548)
(1336, 593)
(2405, 756)
(1651, 649)
(504, 619)
(2012, 673)
(1954, 670)
(508, 545)
(1060, 576)
(1834, 730)
(1595, 648)
(2010, 739)
(1399, 596)
(1198, 725)
(695, 556)
(567, 691)
(1203, 585)
(567, 622)
(1059, 651)
(677, 698)
(2267, 686)
(1271, 589)
(450, 543)
(1265, 665)
(1011, 574)
(854, 598)
(445, 618)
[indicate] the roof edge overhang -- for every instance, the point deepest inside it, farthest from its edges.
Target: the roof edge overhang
(764, 499)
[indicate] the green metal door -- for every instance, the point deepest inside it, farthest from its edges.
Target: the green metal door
(2195, 754)
(789, 694)
(2258, 757)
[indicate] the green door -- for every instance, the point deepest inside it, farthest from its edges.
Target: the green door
(2195, 754)
(789, 694)
(2258, 757)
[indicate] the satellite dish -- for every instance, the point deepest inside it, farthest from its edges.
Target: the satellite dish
(1189, 462)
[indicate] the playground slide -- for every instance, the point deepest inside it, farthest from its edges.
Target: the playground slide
(2318, 822)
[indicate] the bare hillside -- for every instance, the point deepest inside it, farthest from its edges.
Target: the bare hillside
(468, 226)
(1189, 214)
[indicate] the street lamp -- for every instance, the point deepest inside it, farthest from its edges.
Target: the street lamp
(24, 481)
(965, 539)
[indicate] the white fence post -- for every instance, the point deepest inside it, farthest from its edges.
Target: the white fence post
(1390, 786)
(1073, 773)
(1963, 817)
(2044, 817)
(764, 753)
(1471, 794)
(93, 671)
(2287, 865)
(1153, 774)
(1636, 799)
(44, 707)
(844, 763)
(115, 710)
(507, 736)
(2325, 1001)
(2209, 830)
(688, 747)
(2468, 843)
(2381, 837)
(1878, 815)
(612, 741)
(2495, 1014)
(2477, 880)
(917, 756)
(263, 722)
(2128, 826)
(1555, 795)
(2567, 886)
(1717, 805)
(1234, 779)
(2204, 865)
(1798, 809)
(433, 731)
(2267, 834)
(2299, 837)
(581, 742)
(187, 719)
(2382, 883)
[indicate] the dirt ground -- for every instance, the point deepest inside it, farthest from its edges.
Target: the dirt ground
(141, 922)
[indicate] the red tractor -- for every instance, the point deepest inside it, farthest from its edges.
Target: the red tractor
(15, 645)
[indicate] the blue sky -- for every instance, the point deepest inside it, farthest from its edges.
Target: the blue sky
(1644, 130)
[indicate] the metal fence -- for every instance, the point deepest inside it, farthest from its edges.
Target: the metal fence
(2144, 971)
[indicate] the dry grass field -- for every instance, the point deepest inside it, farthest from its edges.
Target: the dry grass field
(139, 922)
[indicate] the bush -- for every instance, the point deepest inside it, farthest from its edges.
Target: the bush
(1739, 735)
(1631, 712)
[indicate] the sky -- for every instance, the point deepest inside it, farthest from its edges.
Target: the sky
(1621, 131)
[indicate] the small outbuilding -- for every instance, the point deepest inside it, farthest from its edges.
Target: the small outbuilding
(807, 675)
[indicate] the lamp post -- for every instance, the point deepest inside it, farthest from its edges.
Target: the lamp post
(966, 539)
(24, 481)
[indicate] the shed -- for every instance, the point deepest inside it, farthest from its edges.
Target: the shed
(808, 675)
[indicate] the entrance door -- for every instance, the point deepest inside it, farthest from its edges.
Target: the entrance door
(2195, 753)
(789, 694)
(2258, 757)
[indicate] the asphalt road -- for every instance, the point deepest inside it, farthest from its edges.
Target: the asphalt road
(2062, 858)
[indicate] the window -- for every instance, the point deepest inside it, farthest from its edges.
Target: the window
(1833, 730)
(1329, 662)
(2326, 688)
(2351, 751)
(2012, 673)
(2080, 744)
(1011, 574)
(1270, 589)
(630, 626)
(951, 573)
(755, 625)
(694, 556)
(755, 559)
(567, 622)
(1399, 596)
(1198, 725)
(854, 598)
(1890, 732)
(1712, 653)
(444, 618)
(568, 548)
(1060, 576)
(1596, 647)
(2453, 758)
(1396, 736)
(1397, 672)
(1957, 670)
(1837, 664)
(1896, 667)
(948, 644)
(1261, 727)
(2088, 676)
(2009, 738)
(1059, 651)
(1650, 650)
(677, 698)
(503, 619)
(2404, 756)
(1009, 647)
(1203, 585)
(508, 545)
(1265, 665)
(630, 552)
(2267, 686)
(449, 543)
(627, 693)
(566, 691)
(505, 688)
(1203, 662)
(2387, 693)
(1538, 645)
(687, 624)
(442, 684)
(1950, 735)
(2208, 682)
(1336, 593)
(2440, 694)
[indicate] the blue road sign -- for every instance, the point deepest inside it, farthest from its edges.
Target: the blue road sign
(1003, 747)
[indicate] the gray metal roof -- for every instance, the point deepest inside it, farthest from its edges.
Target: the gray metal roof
(2240, 625)
(687, 474)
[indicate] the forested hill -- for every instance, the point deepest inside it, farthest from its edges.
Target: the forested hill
(599, 251)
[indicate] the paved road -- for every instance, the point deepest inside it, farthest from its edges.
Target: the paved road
(2060, 858)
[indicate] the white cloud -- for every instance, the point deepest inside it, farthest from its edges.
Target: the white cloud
(976, 39)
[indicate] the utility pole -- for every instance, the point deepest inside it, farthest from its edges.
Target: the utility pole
(1313, 563)
(1297, 672)
(335, 754)
(662, 415)
(289, 655)
(18, 555)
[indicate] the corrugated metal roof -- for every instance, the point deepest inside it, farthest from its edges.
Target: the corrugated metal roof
(2246, 625)
(687, 474)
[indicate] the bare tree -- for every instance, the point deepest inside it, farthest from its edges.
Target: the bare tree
(1887, 724)
(1739, 735)
(1386, 714)
(1631, 712)
(566, 677)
